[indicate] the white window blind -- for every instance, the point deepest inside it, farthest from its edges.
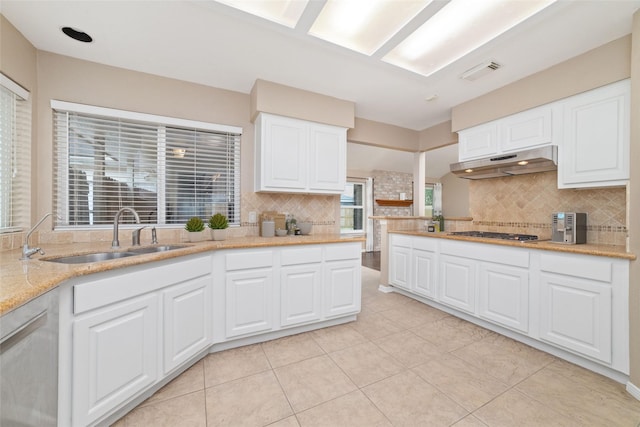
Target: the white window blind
(15, 156)
(165, 169)
(352, 208)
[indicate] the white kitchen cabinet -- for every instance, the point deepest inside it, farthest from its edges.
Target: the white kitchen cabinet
(531, 128)
(423, 266)
(504, 296)
(187, 321)
(114, 357)
(300, 286)
(297, 156)
(342, 272)
(400, 261)
(478, 142)
(595, 147)
(458, 282)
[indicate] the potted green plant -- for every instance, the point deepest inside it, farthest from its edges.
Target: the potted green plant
(218, 224)
(194, 226)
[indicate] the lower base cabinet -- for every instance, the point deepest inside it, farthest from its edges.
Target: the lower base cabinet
(458, 282)
(342, 288)
(504, 296)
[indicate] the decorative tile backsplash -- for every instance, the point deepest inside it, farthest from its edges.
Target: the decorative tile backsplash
(525, 203)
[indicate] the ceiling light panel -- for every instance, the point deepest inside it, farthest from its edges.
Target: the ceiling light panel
(457, 29)
(284, 12)
(364, 25)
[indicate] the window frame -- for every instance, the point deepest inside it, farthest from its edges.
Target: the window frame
(162, 123)
(362, 207)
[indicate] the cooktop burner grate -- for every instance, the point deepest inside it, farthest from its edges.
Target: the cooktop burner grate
(494, 235)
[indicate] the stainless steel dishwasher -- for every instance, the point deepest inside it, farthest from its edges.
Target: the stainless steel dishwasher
(29, 363)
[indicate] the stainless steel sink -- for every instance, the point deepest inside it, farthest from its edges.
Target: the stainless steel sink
(106, 256)
(154, 249)
(86, 258)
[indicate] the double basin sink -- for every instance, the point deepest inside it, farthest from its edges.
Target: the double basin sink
(106, 256)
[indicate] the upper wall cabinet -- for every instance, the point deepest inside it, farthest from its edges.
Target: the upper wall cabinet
(296, 156)
(532, 128)
(595, 145)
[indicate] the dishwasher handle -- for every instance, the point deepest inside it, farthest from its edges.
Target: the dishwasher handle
(22, 331)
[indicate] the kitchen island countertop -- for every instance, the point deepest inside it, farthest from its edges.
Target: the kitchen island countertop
(547, 245)
(21, 281)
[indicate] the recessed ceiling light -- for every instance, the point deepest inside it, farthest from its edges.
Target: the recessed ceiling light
(81, 36)
(284, 12)
(431, 98)
(364, 25)
(458, 28)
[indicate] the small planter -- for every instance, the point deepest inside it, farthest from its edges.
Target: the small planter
(219, 234)
(195, 236)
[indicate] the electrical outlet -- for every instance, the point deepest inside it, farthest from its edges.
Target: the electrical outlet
(252, 217)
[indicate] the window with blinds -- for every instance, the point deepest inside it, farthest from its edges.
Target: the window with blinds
(167, 169)
(15, 156)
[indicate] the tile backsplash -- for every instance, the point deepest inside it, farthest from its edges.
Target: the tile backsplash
(525, 203)
(322, 211)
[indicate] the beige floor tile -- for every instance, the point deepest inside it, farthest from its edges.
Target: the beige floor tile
(516, 409)
(353, 410)
(373, 326)
(585, 404)
(291, 421)
(256, 400)
(313, 381)
(189, 381)
(366, 363)
(411, 316)
(469, 421)
(506, 359)
(462, 382)
(407, 400)
(337, 337)
(187, 411)
(408, 348)
(232, 364)
(450, 333)
(291, 349)
(381, 301)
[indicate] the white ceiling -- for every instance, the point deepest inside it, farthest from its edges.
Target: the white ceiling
(212, 44)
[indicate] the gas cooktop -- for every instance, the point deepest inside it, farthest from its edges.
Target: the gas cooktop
(493, 235)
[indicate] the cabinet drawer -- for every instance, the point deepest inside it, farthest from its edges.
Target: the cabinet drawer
(98, 293)
(342, 251)
(425, 244)
(301, 256)
(400, 240)
(485, 252)
(245, 260)
(579, 266)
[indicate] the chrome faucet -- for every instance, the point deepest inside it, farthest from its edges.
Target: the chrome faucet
(26, 250)
(115, 243)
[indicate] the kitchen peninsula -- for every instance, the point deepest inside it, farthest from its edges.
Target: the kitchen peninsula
(158, 313)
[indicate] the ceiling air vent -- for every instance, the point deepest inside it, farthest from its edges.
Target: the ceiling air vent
(480, 70)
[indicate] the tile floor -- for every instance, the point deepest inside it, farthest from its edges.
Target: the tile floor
(402, 363)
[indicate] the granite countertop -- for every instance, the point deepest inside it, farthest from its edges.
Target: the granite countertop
(547, 245)
(21, 281)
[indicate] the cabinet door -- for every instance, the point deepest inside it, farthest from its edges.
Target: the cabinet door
(479, 141)
(283, 154)
(576, 314)
(458, 282)
(528, 129)
(595, 146)
(327, 159)
(399, 267)
(187, 321)
(249, 301)
(300, 293)
(504, 296)
(342, 287)
(423, 273)
(114, 356)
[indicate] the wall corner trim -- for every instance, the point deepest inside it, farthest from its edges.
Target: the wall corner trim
(633, 390)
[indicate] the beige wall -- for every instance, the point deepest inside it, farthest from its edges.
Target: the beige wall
(437, 136)
(384, 135)
(633, 197)
(598, 67)
(18, 60)
(291, 102)
(455, 196)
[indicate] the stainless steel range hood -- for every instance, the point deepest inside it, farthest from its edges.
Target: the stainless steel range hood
(542, 159)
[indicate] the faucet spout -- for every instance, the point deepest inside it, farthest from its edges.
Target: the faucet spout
(26, 250)
(115, 243)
